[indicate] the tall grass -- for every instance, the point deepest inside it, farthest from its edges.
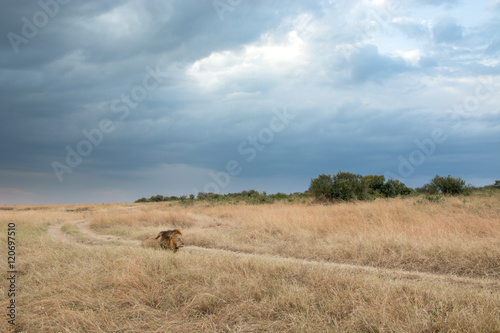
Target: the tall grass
(455, 237)
(105, 289)
(75, 287)
(142, 215)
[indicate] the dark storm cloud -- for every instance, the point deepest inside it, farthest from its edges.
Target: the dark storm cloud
(158, 94)
(73, 61)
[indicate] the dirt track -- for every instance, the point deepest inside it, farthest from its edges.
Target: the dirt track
(399, 274)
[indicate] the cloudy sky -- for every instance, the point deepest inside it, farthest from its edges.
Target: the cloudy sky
(110, 101)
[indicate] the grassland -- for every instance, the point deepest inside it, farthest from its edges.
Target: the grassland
(397, 265)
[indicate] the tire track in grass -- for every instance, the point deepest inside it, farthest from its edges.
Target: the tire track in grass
(56, 231)
(84, 227)
(396, 274)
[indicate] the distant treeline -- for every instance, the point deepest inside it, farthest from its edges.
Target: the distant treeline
(343, 186)
(250, 196)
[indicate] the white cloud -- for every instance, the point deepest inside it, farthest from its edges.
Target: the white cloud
(412, 27)
(268, 57)
(411, 56)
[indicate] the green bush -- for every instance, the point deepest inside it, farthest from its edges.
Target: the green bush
(347, 186)
(393, 188)
(156, 198)
(209, 196)
(373, 183)
(445, 185)
(343, 186)
(450, 185)
(321, 187)
(428, 189)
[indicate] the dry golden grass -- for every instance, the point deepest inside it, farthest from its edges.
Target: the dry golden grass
(450, 237)
(265, 287)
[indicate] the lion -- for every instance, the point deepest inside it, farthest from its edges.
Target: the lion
(167, 240)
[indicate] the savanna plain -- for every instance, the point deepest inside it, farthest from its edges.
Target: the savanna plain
(388, 265)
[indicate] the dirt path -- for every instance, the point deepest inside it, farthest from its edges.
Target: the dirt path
(84, 227)
(56, 232)
(396, 274)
